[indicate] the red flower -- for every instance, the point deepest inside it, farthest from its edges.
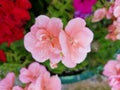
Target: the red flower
(13, 16)
(2, 56)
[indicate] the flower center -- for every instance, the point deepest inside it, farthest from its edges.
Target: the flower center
(74, 42)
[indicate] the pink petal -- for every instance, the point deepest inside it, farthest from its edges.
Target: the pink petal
(8, 82)
(73, 24)
(84, 37)
(54, 26)
(36, 69)
(99, 14)
(54, 84)
(78, 57)
(66, 59)
(29, 42)
(42, 21)
(41, 53)
(25, 76)
(110, 68)
(116, 12)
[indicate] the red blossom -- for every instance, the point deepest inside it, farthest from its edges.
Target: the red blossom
(2, 56)
(13, 16)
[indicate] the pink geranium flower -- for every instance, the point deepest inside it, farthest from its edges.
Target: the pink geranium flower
(37, 77)
(32, 73)
(8, 82)
(75, 42)
(42, 41)
(112, 68)
(45, 82)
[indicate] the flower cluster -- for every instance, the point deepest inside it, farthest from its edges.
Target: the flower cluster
(113, 13)
(36, 77)
(13, 16)
(112, 71)
(48, 40)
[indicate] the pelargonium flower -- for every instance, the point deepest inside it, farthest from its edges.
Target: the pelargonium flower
(32, 73)
(112, 72)
(46, 82)
(36, 77)
(43, 39)
(112, 68)
(84, 7)
(75, 42)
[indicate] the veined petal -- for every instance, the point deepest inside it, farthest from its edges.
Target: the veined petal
(29, 42)
(54, 26)
(66, 58)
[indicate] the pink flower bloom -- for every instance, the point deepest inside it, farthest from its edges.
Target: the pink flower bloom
(32, 73)
(112, 68)
(75, 42)
(8, 82)
(42, 41)
(45, 82)
(99, 14)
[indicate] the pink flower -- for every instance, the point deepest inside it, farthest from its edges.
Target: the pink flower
(99, 14)
(45, 82)
(112, 68)
(42, 41)
(38, 78)
(32, 73)
(75, 42)
(8, 82)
